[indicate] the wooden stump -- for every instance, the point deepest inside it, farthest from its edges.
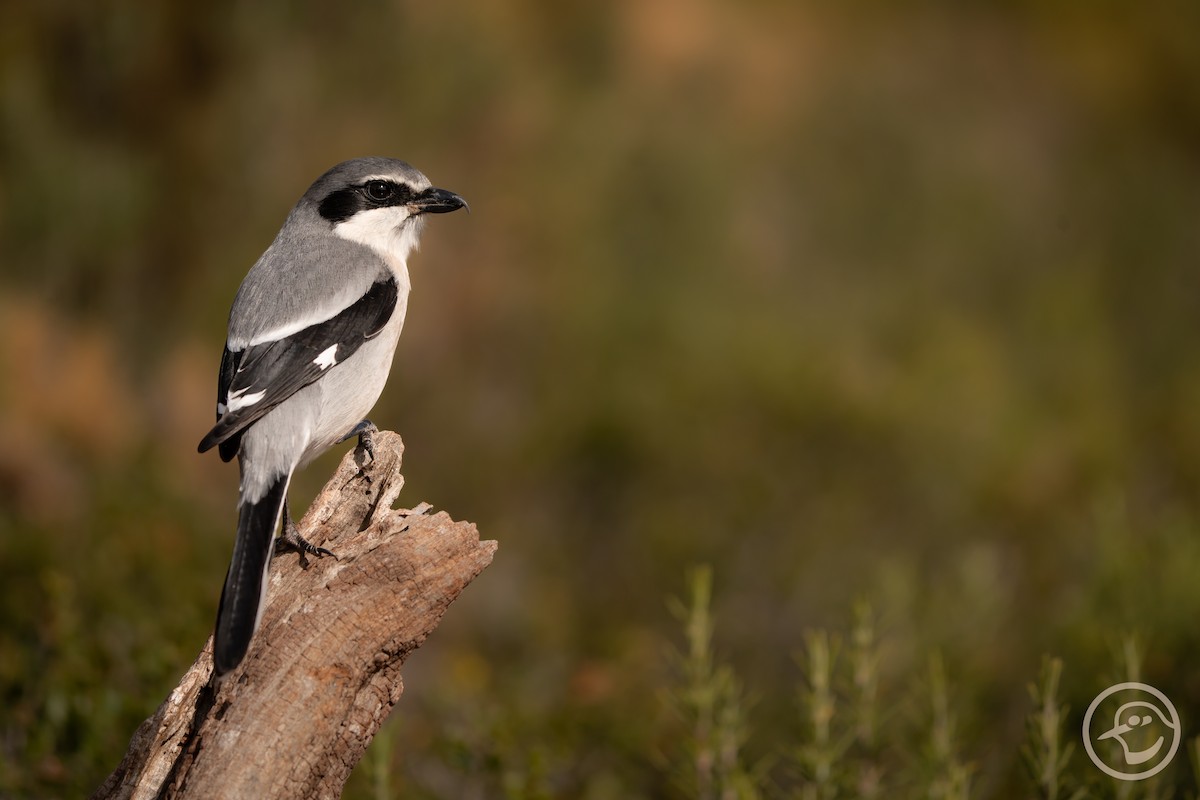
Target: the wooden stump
(323, 670)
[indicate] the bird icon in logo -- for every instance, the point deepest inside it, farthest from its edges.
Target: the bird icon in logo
(1142, 717)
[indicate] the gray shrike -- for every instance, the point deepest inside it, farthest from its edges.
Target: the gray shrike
(312, 332)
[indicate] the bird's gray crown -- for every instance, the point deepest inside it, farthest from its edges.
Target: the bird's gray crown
(356, 171)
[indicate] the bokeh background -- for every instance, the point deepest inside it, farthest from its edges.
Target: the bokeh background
(861, 302)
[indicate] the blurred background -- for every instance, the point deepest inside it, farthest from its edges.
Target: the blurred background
(862, 302)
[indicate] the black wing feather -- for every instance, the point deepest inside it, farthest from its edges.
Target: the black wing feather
(281, 368)
(229, 364)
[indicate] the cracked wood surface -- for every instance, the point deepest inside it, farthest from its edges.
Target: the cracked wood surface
(323, 670)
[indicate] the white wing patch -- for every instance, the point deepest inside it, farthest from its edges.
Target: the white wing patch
(327, 358)
(239, 399)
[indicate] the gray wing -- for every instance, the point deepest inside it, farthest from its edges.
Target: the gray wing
(306, 276)
(256, 378)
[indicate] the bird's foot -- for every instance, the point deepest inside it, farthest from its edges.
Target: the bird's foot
(291, 539)
(365, 431)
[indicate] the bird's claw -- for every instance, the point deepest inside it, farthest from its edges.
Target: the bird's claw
(366, 442)
(291, 539)
(365, 431)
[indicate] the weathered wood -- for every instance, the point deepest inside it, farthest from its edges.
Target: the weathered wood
(323, 670)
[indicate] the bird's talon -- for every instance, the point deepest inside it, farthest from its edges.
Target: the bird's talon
(366, 443)
(291, 539)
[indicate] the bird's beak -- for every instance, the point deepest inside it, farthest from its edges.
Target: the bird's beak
(438, 201)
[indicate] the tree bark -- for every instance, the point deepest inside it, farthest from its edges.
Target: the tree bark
(323, 670)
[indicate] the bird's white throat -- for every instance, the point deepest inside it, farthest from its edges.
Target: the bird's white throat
(393, 232)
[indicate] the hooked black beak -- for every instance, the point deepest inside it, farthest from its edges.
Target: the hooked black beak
(438, 201)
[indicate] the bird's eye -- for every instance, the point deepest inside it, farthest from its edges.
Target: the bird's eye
(379, 191)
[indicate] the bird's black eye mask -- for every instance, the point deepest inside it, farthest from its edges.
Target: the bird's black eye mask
(341, 205)
(386, 193)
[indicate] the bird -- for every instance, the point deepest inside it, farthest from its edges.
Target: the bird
(311, 337)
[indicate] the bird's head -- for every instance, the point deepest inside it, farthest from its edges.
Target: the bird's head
(379, 202)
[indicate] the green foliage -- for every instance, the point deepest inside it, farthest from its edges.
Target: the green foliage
(843, 751)
(948, 778)
(854, 744)
(1046, 752)
(710, 702)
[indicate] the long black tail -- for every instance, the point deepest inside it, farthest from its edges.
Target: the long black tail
(241, 599)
